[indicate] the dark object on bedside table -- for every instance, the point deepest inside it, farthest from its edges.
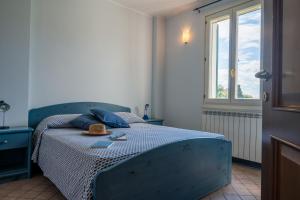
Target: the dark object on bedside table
(4, 107)
(159, 122)
(146, 117)
(15, 152)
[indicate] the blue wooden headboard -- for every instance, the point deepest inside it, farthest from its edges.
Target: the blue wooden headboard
(38, 114)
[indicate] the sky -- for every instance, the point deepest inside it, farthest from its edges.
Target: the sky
(248, 52)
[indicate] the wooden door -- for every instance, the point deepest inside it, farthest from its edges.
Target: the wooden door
(281, 108)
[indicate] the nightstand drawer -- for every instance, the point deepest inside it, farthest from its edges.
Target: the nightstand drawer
(160, 123)
(12, 141)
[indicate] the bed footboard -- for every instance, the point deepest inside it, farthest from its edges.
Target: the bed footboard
(185, 170)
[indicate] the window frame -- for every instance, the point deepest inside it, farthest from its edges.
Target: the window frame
(208, 19)
(232, 12)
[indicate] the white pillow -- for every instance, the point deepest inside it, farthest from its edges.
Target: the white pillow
(130, 118)
(61, 121)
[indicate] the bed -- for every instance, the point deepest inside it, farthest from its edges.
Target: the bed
(155, 162)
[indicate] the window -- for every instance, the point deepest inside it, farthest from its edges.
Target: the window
(233, 55)
(219, 83)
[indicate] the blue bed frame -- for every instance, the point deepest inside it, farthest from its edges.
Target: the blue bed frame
(184, 170)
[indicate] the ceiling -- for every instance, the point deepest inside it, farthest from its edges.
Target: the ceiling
(158, 7)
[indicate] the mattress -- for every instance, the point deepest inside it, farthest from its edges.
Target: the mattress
(67, 159)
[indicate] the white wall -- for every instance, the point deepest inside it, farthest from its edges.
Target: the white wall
(89, 51)
(14, 58)
(184, 73)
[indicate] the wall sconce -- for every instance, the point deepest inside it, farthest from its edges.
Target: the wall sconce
(186, 36)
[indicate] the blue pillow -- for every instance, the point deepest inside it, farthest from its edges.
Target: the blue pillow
(110, 119)
(84, 121)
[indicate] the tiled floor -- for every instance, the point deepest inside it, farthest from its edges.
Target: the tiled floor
(245, 186)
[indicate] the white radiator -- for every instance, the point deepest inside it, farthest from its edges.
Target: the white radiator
(244, 130)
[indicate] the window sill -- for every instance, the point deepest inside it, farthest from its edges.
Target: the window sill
(233, 108)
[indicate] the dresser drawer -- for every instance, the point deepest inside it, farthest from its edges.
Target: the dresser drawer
(12, 141)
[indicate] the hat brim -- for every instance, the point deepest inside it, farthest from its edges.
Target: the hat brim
(102, 133)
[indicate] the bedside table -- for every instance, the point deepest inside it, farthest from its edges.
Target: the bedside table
(15, 152)
(159, 122)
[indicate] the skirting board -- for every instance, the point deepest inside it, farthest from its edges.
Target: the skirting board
(246, 162)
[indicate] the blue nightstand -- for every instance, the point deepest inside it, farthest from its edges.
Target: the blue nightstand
(15, 152)
(159, 122)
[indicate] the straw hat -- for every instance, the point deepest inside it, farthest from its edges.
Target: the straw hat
(97, 130)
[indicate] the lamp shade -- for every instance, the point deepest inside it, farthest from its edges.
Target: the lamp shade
(4, 107)
(186, 36)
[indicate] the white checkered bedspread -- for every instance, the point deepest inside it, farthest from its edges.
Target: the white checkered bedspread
(67, 159)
